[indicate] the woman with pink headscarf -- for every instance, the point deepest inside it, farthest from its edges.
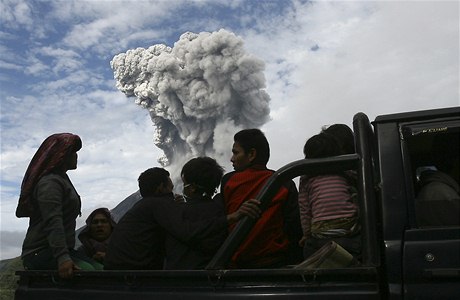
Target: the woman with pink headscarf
(50, 200)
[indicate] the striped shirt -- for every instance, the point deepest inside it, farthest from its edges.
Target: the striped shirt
(324, 197)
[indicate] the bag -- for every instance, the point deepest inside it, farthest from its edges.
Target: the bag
(329, 256)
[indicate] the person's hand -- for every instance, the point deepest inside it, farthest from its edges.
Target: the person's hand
(99, 256)
(249, 208)
(179, 198)
(66, 269)
(302, 241)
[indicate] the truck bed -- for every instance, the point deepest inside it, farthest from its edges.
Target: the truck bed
(203, 284)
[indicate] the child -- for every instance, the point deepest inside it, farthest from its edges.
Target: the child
(327, 209)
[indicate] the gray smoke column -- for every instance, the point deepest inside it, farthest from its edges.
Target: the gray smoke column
(199, 92)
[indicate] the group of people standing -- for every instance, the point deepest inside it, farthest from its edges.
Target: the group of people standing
(163, 231)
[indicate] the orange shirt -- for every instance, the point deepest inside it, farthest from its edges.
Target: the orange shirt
(267, 244)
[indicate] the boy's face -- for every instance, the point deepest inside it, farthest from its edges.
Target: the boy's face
(240, 159)
(100, 227)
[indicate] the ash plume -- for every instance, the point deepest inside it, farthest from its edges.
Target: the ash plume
(198, 92)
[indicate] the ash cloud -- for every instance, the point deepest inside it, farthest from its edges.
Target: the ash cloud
(205, 86)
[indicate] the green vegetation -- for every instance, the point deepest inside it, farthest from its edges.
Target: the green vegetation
(8, 280)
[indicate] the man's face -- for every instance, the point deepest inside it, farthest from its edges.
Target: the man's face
(71, 163)
(240, 159)
(169, 186)
(100, 227)
(164, 188)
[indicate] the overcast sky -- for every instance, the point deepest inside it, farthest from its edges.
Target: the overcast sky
(324, 61)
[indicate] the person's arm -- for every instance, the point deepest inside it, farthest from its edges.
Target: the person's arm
(248, 208)
(169, 216)
(304, 210)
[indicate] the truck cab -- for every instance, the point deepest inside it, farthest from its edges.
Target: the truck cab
(422, 260)
(403, 257)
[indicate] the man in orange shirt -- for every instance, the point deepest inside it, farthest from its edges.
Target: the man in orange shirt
(273, 242)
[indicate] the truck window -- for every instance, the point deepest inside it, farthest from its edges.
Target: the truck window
(433, 171)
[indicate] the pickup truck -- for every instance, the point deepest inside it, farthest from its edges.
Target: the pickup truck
(401, 259)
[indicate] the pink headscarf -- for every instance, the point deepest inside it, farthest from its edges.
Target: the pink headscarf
(51, 155)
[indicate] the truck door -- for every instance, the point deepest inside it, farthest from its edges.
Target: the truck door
(431, 248)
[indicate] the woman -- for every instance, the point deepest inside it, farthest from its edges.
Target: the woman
(51, 202)
(96, 235)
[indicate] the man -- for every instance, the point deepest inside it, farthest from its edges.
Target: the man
(137, 243)
(273, 242)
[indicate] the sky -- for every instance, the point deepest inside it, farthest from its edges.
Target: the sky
(321, 62)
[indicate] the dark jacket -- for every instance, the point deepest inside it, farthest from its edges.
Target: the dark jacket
(137, 243)
(182, 256)
(53, 224)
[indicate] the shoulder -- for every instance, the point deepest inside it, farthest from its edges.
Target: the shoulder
(329, 179)
(205, 207)
(437, 190)
(52, 181)
(227, 177)
(249, 173)
(158, 201)
(52, 177)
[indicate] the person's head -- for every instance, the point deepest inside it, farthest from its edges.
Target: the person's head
(344, 136)
(250, 147)
(101, 224)
(155, 182)
(57, 153)
(321, 145)
(201, 177)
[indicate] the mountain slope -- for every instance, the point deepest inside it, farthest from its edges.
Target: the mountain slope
(8, 280)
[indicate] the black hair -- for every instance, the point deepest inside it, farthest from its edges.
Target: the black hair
(150, 180)
(204, 172)
(344, 137)
(254, 139)
(321, 145)
(102, 210)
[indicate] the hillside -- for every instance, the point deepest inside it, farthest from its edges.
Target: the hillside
(8, 280)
